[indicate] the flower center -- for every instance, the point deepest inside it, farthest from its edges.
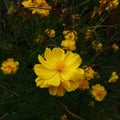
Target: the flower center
(42, 4)
(100, 93)
(60, 66)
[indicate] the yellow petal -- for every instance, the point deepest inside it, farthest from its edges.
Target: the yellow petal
(46, 64)
(66, 84)
(67, 73)
(26, 3)
(53, 91)
(58, 54)
(72, 59)
(70, 85)
(79, 75)
(57, 91)
(53, 81)
(49, 56)
(39, 83)
(43, 72)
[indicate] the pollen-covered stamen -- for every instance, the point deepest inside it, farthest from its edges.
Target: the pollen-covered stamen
(60, 66)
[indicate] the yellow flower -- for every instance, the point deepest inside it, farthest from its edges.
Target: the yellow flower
(109, 4)
(50, 32)
(9, 66)
(69, 44)
(98, 92)
(115, 47)
(97, 45)
(112, 4)
(70, 35)
(89, 73)
(38, 6)
(58, 71)
(83, 84)
(113, 78)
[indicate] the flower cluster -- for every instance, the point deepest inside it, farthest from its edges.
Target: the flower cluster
(109, 4)
(89, 74)
(105, 5)
(59, 72)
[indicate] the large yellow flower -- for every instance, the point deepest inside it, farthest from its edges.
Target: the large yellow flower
(58, 71)
(38, 6)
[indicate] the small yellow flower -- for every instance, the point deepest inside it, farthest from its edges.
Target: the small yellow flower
(58, 71)
(115, 47)
(98, 92)
(50, 32)
(10, 66)
(70, 35)
(84, 84)
(89, 73)
(69, 44)
(37, 6)
(113, 78)
(97, 45)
